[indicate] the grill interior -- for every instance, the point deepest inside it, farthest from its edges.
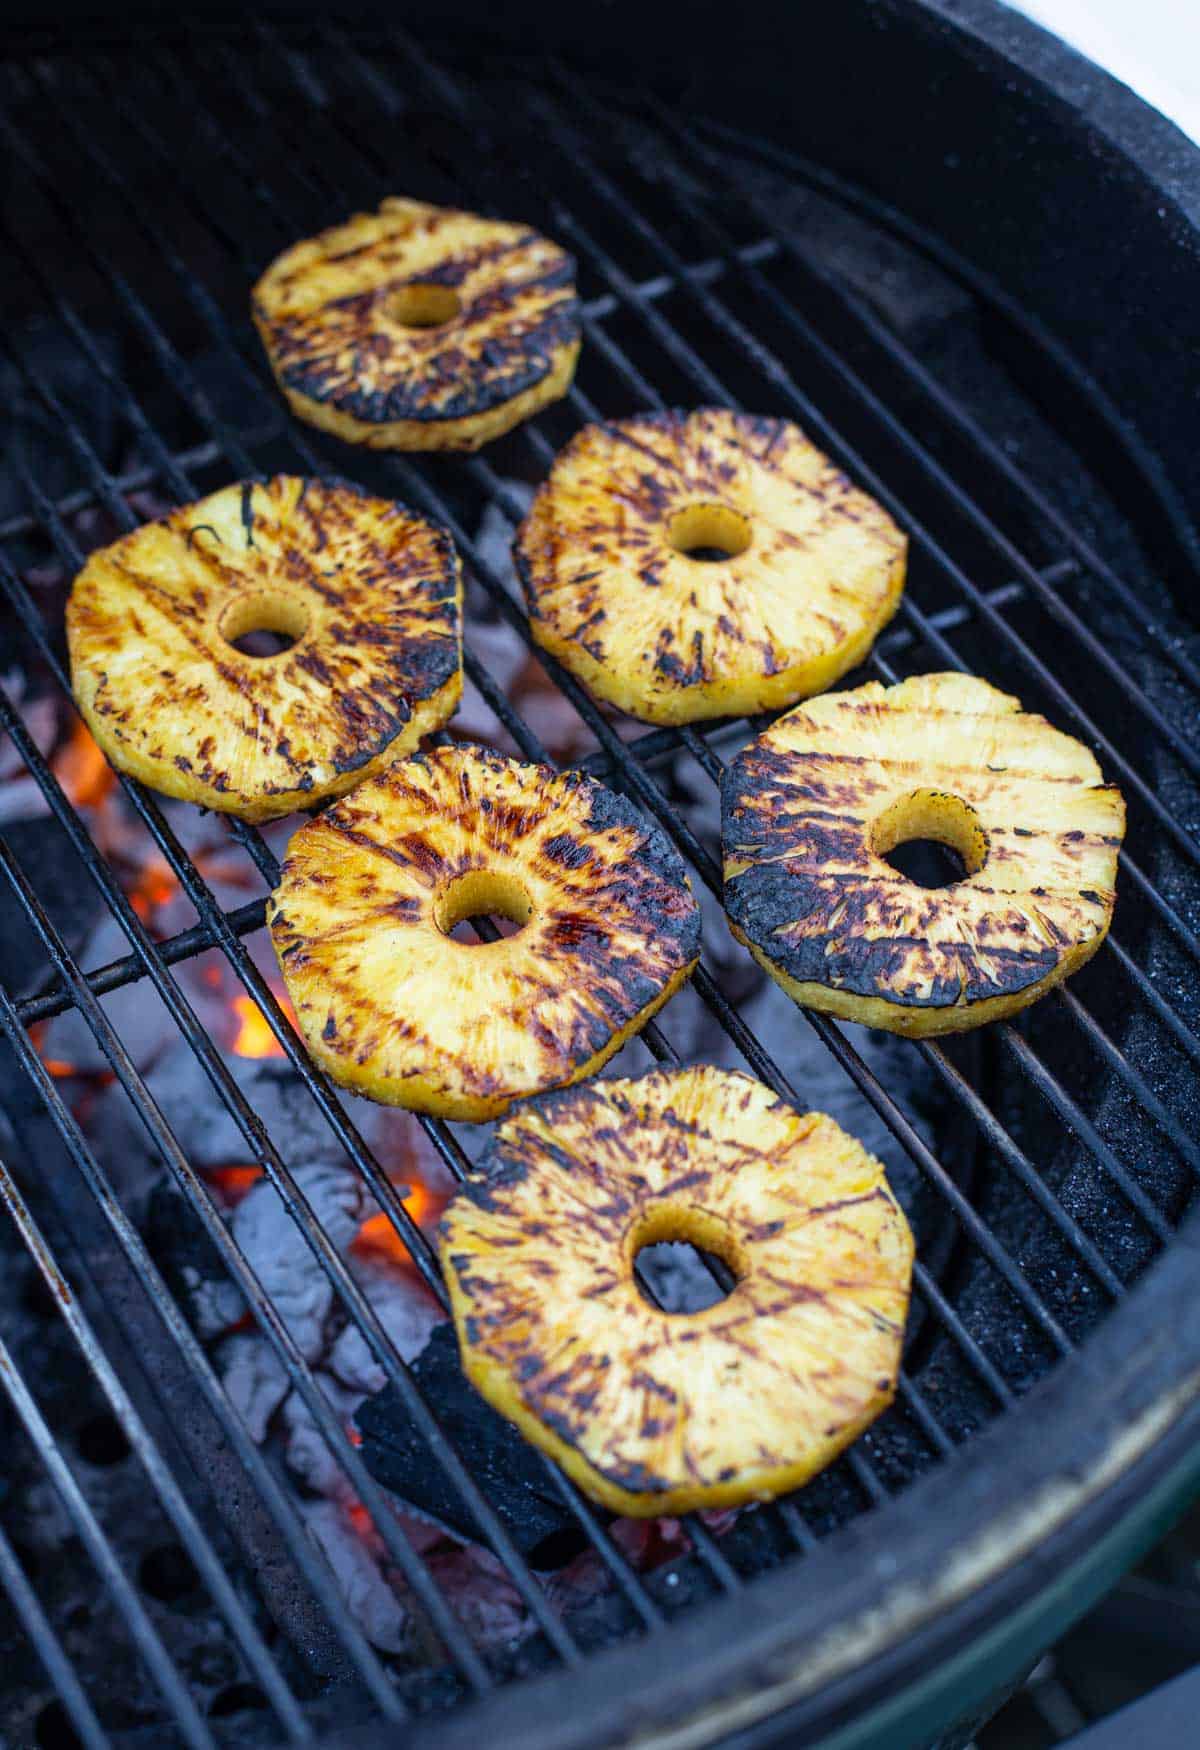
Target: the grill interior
(1044, 1163)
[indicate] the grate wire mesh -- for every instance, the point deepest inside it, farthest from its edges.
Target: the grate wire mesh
(353, 97)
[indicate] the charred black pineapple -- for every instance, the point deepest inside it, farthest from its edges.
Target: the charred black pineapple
(813, 806)
(396, 1008)
(653, 1412)
(706, 564)
(364, 595)
(419, 327)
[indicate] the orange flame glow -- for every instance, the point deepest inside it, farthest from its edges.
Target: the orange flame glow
(234, 1182)
(82, 769)
(155, 885)
(360, 1519)
(377, 1238)
(57, 1066)
(254, 1037)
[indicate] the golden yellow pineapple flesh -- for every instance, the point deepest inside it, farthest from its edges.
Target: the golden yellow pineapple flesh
(813, 806)
(419, 327)
(655, 1412)
(364, 595)
(394, 1007)
(706, 564)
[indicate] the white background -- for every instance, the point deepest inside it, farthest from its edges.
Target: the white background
(1152, 45)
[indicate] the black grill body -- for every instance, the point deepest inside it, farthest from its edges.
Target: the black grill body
(966, 262)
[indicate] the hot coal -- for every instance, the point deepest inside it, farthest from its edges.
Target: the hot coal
(507, 1469)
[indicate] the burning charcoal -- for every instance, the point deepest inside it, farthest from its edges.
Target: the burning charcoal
(508, 1470)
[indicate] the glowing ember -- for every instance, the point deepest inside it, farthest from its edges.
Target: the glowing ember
(254, 1037)
(58, 1067)
(233, 1182)
(82, 769)
(360, 1519)
(378, 1239)
(155, 885)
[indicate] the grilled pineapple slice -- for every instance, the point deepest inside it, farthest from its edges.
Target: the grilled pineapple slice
(654, 1412)
(420, 328)
(811, 808)
(397, 1009)
(369, 593)
(707, 564)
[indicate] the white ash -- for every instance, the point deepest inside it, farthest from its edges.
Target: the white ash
(275, 1248)
(368, 1596)
(407, 1312)
(350, 1372)
(255, 1381)
(304, 1444)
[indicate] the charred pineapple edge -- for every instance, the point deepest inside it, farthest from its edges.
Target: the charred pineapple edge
(763, 1483)
(722, 696)
(427, 716)
(466, 433)
(922, 1021)
(426, 1093)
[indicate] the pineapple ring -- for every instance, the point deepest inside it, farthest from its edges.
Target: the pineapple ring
(369, 592)
(396, 1009)
(711, 564)
(813, 806)
(654, 1412)
(420, 328)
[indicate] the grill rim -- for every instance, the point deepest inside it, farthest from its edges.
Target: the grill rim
(971, 1448)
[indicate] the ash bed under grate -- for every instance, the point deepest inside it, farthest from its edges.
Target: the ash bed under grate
(1044, 1163)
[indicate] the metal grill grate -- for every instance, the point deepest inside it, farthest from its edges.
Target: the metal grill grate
(282, 138)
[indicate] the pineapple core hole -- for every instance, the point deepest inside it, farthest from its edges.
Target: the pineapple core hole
(482, 907)
(686, 1259)
(708, 532)
(931, 838)
(264, 624)
(424, 306)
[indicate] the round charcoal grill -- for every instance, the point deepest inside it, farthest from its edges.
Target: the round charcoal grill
(966, 262)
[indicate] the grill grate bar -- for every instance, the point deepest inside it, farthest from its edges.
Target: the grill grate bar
(331, 1109)
(705, 378)
(866, 322)
(498, 494)
(411, 1236)
(303, 1552)
(1166, 642)
(130, 480)
(272, 1326)
(49, 1649)
(628, 765)
(150, 1648)
(780, 380)
(258, 1659)
(701, 1538)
